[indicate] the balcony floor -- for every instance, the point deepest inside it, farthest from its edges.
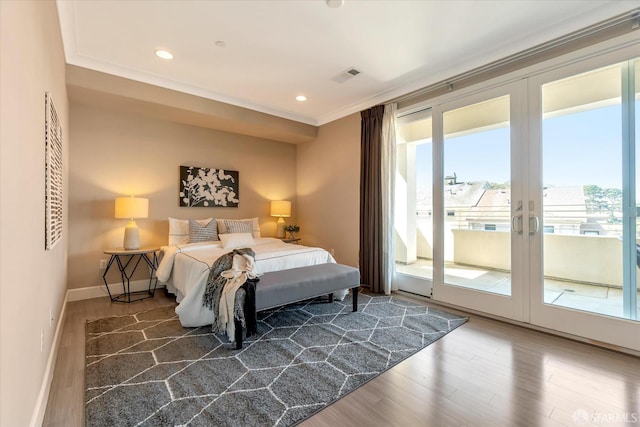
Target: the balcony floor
(580, 296)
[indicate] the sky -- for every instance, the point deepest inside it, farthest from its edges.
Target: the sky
(578, 149)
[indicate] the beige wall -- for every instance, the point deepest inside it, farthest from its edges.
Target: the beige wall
(115, 154)
(328, 189)
(32, 280)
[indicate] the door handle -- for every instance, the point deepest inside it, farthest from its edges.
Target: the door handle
(536, 221)
(516, 219)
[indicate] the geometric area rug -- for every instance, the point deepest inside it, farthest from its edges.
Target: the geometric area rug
(147, 370)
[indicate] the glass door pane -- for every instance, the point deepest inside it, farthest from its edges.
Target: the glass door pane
(635, 75)
(414, 204)
(477, 196)
(586, 172)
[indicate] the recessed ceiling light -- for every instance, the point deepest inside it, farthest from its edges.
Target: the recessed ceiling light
(334, 4)
(301, 98)
(220, 43)
(164, 54)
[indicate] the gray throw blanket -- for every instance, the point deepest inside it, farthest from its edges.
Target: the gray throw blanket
(215, 284)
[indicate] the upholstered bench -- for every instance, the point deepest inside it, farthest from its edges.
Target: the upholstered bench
(296, 284)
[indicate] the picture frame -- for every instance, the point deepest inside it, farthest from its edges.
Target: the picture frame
(53, 175)
(207, 187)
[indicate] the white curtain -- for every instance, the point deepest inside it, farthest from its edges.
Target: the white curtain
(388, 169)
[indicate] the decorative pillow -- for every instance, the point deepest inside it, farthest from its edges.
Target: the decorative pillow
(236, 240)
(179, 230)
(238, 226)
(199, 232)
(254, 226)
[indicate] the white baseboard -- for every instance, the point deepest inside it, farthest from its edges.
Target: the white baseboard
(43, 397)
(100, 291)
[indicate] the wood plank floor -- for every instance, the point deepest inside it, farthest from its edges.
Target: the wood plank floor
(485, 373)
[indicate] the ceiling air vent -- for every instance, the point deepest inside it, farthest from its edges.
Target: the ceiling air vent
(349, 73)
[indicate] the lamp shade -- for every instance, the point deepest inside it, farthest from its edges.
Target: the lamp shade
(281, 208)
(132, 207)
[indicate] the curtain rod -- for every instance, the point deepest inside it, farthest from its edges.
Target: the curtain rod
(633, 16)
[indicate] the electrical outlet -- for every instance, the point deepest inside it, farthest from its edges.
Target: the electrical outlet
(41, 340)
(50, 317)
(103, 264)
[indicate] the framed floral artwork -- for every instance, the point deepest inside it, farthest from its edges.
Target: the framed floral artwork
(205, 187)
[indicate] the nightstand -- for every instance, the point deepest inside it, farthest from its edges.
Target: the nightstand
(293, 241)
(127, 261)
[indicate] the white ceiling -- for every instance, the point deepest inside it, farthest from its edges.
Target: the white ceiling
(276, 49)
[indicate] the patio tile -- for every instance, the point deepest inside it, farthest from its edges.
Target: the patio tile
(580, 296)
(502, 287)
(577, 288)
(617, 293)
(474, 278)
(415, 270)
(551, 295)
(609, 307)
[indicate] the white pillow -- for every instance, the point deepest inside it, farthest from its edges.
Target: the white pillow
(179, 230)
(236, 240)
(255, 226)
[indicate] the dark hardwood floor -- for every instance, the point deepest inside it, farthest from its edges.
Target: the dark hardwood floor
(485, 373)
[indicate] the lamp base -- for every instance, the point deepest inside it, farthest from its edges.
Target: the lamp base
(131, 236)
(280, 228)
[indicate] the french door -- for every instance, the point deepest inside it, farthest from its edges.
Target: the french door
(534, 202)
(478, 201)
(584, 185)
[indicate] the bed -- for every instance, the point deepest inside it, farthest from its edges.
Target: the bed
(184, 269)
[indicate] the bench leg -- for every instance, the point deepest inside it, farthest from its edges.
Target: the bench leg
(331, 297)
(238, 333)
(354, 297)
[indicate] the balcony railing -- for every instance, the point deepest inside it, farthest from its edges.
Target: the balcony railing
(578, 246)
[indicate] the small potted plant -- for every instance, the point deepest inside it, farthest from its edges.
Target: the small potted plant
(292, 230)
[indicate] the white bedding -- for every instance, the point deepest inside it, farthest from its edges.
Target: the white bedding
(185, 268)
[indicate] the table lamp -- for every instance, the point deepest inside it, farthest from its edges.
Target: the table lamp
(280, 209)
(131, 208)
